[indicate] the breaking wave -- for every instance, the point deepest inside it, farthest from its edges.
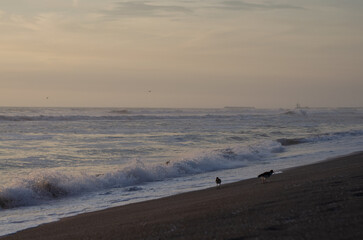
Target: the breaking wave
(335, 135)
(43, 186)
(47, 185)
(291, 141)
(320, 137)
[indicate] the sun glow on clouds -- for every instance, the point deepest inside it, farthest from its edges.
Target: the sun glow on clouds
(191, 53)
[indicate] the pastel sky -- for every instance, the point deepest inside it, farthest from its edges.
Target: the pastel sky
(171, 53)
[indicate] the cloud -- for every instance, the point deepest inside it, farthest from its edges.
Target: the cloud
(145, 9)
(243, 5)
(184, 8)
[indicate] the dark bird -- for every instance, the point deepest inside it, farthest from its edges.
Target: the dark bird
(265, 175)
(218, 182)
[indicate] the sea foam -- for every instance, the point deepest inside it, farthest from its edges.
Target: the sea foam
(46, 185)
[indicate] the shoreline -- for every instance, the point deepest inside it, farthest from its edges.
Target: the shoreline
(316, 201)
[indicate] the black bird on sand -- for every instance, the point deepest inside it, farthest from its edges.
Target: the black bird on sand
(265, 175)
(218, 182)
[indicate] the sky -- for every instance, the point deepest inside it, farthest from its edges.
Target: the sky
(171, 53)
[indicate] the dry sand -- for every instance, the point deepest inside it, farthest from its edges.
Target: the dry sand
(319, 201)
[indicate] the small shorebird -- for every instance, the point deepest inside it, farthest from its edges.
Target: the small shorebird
(218, 182)
(265, 175)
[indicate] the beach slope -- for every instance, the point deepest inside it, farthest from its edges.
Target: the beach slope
(318, 201)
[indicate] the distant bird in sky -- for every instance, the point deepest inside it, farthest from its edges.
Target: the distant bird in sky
(218, 182)
(265, 175)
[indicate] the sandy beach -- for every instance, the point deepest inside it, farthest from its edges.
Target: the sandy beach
(319, 201)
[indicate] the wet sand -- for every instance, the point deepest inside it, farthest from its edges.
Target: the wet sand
(319, 201)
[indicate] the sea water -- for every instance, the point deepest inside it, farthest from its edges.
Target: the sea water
(59, 162)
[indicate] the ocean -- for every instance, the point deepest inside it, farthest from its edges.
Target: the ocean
(59, 162)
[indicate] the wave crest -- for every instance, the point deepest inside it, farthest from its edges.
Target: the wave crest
(320, 137)
(47, 185)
